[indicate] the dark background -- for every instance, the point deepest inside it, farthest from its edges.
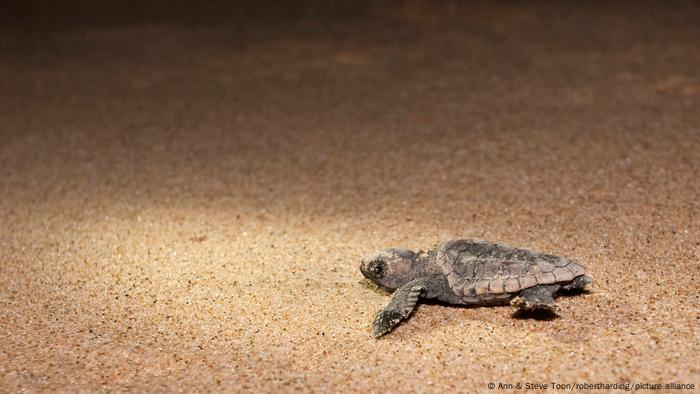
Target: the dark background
(56, 13)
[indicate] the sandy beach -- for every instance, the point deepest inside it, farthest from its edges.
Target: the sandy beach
(184, 206)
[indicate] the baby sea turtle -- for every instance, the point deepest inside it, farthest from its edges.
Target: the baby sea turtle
(469, 272)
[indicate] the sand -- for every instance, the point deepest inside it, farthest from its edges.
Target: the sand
(183, 206)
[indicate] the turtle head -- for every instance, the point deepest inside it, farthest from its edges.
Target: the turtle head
(391, 268)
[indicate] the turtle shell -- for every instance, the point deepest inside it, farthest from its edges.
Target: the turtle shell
(479, 270)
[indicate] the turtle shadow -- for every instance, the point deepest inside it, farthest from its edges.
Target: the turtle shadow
(430, 301)
(547, 314)
(537, 314)
(520, 314)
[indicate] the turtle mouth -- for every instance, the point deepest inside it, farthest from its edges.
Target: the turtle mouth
(373, 269)
(363, 269)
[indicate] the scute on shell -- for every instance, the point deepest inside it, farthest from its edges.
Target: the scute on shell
(482, 287)
(545, 278)
(496, 286)
(546, 266)
(562, 274)
(527, 281)
(512, 285)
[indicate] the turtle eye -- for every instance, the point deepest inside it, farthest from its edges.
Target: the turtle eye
(376, 268)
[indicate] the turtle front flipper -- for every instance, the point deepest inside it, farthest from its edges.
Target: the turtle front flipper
(403, 302)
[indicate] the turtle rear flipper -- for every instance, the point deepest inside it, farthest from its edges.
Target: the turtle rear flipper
(533, 298)
(403, 302)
